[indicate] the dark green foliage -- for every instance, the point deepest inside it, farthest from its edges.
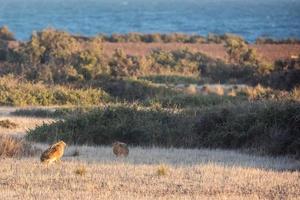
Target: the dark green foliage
(285, 75)
(43, 113)
(172, 79)
(219, 72)
(267, 40)
(272, 128)
(268, 127)
(154, 37)
(198, 101)
(52, 113)
(131, 89)
(133, 125)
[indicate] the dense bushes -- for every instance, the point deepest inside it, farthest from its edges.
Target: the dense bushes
(267, 127)
(53, 56)
(264, 127)
(131, 89)
(172, 79)
(16, 93)
(56, 56)
(162, 38)
(133, 125)
(58, 112)
(286, 75)
(181, 61)
(242, 55)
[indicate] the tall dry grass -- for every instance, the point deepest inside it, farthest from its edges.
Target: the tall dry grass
(15, 147)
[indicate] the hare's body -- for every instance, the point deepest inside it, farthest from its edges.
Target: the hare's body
(53, 153)
(120, 149)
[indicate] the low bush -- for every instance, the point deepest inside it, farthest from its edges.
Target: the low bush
(36, 112)
(51, 113)
(172, 79)
(133, 125)
(192, 100)
(17, 93)
(262, 127)
(129, 89)
(81, 171)
(268, 40)
(285, 75)
(271, 128)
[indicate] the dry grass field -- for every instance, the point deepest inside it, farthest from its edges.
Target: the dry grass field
(147, 173)
(23, 123)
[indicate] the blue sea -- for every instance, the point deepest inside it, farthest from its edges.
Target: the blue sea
(249, 18)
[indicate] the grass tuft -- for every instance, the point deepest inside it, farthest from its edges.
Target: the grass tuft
(81, 171)
(15, 147)
(8, 124)
(162, 170)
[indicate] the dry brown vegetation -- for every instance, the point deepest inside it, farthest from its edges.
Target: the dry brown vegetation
(269, 52)
(8, 124)
(15, 147)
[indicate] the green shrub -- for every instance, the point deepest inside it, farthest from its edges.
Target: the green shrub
(131, 90)
(180, 61)
(123, 65)
(267, 40)
(133, 125)
(52, 113)
(264, 127)
(56, 56)
(196, 100)
(172, 79)
(16, 93)
(285, 75)
(271, 128)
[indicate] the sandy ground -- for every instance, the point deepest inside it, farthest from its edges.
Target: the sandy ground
(23, 123)
(147, 173)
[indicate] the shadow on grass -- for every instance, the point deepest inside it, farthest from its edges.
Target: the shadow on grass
(183, 157)
(172, 79)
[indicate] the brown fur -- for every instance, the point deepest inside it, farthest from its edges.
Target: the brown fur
(120, 149)
(53, 153)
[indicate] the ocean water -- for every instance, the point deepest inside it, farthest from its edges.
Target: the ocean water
(249, 18)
